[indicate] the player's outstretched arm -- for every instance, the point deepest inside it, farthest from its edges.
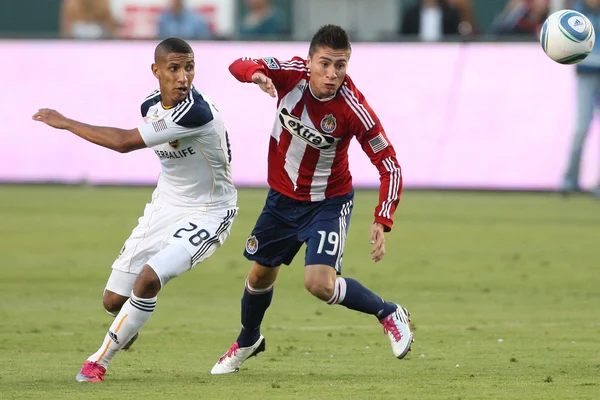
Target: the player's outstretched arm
(269, 74)
(265, 83)
(121, 140)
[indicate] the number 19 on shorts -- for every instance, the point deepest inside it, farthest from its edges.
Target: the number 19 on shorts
(329, 243)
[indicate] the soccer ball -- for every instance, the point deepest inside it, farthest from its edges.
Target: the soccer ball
(567, 36)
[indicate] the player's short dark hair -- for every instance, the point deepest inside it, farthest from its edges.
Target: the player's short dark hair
(332, 36)
(172, 45)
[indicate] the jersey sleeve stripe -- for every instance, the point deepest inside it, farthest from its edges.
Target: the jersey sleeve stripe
(181, 105)
(152, 95)
(189, 102)
(294, 69)
(395, 182)
(358, 108)
(393, 189)
(354, 108)
(297, 63)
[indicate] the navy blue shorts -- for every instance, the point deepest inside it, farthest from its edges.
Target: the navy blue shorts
(285, 224)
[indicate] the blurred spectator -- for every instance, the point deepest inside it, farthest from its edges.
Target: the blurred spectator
(179, 21)
(87, 19)
(468, 25)
(588, 90)
(261, 19)
(521, 17)
(431, 20)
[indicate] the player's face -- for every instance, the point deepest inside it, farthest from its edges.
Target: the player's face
(327, 70)
(175, 73)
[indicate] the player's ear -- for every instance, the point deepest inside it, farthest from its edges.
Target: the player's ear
(154, 68)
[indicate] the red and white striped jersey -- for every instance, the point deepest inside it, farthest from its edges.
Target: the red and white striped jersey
(308, 151)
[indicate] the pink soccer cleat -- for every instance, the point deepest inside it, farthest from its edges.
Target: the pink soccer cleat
(396, 326)
(91, 372)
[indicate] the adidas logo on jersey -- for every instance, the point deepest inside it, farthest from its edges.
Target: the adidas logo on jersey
(310, 135)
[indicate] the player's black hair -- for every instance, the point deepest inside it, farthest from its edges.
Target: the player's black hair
(332, 36)
(172, 45)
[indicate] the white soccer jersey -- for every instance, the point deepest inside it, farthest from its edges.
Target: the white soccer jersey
(193, 147)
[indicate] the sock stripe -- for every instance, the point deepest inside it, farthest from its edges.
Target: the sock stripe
(144, 302)
(103, 352)
(149, 302)
(336, 293)
(141, 306)
(121, 323)
(108, 343)
(339, 292)
(252, 290)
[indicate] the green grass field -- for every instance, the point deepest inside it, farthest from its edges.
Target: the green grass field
(504, 290)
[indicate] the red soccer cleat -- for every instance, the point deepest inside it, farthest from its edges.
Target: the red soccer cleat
(91, 372)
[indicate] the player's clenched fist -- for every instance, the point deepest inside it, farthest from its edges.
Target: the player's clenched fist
(265, 83)
(51, 117)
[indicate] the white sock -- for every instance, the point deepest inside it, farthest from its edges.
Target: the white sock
(133, 315)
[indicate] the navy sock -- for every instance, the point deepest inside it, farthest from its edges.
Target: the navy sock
(351, 294)
(254, 306)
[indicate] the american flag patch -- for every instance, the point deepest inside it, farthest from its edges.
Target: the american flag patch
(159, 125)
(378, 143)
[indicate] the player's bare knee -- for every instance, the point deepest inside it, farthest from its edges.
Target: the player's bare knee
(320, 288)
(113, 302)
(147, 284)
(261, 277)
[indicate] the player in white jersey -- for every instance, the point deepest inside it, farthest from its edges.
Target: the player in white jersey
(192, 207)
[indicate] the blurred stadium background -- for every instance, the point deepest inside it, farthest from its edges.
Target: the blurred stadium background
(502, 278)
(479, 107)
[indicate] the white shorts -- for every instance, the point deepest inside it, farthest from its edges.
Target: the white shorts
(200, 233)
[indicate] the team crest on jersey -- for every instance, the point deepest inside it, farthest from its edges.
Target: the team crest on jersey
(306, 133)
(271, 63)
(252, 244)
(174, 144)
(328, 123)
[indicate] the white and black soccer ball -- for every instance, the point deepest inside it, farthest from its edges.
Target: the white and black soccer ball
(567, 36)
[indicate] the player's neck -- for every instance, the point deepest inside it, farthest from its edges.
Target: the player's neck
(318, 97)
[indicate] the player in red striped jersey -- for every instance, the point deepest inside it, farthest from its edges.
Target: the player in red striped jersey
(319, 111)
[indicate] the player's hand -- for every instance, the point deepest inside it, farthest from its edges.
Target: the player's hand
(51, 117)
(378, 242)
(264, 82)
